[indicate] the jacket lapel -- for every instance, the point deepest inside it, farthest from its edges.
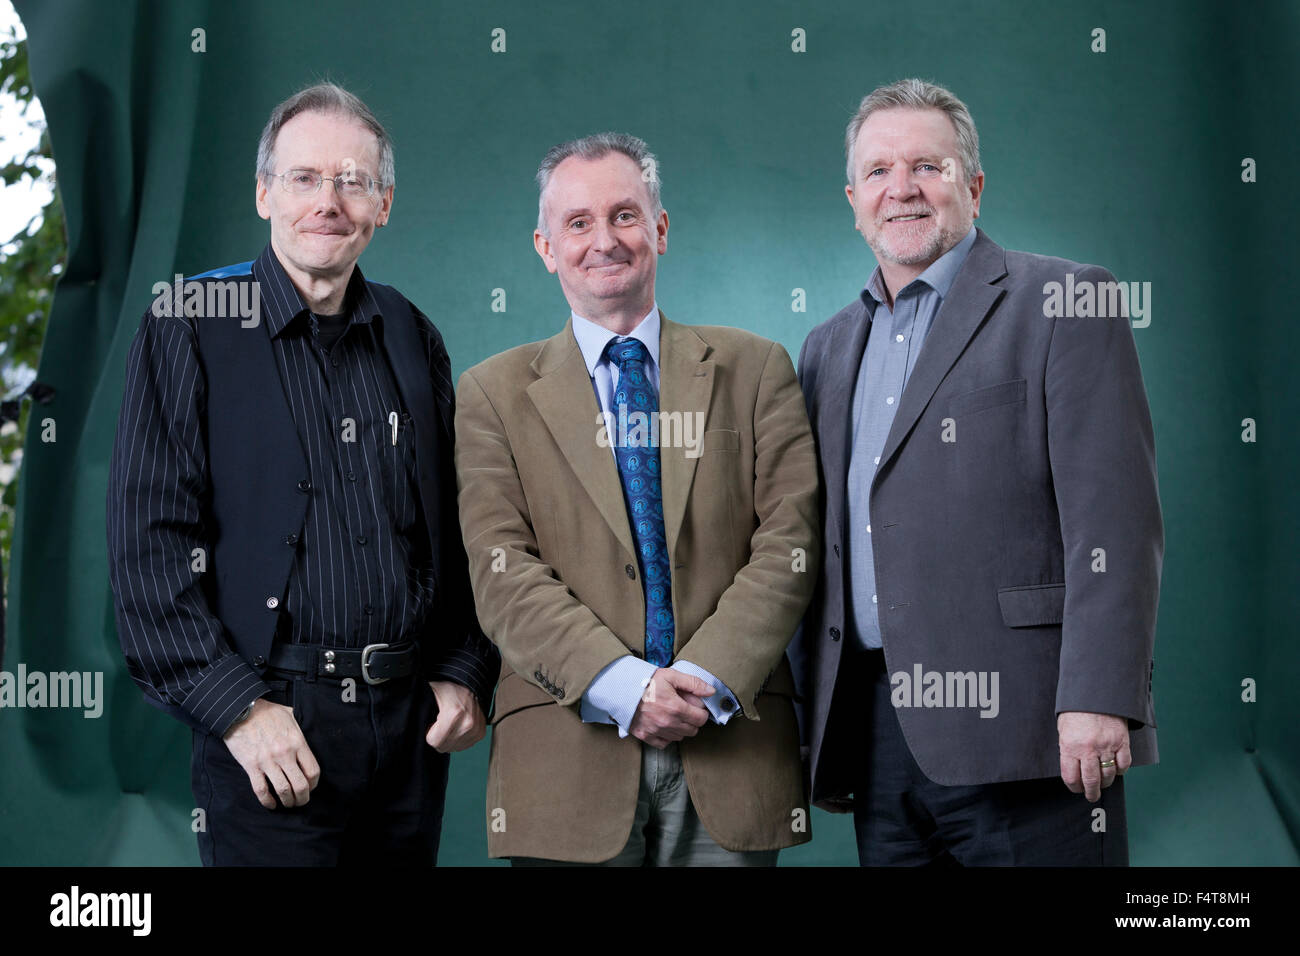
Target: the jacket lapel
(563, 396)
(964, 308)
(685, 387)
(835, 411)
(429, 425)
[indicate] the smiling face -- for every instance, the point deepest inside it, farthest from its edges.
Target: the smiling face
(605, 239)
(320, 236)
(906, 207)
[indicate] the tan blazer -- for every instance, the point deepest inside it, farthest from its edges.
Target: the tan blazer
(557, 587)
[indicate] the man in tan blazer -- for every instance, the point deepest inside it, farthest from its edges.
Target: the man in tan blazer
(629, 645)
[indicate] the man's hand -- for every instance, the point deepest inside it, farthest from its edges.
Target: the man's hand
(460, 722)
(670, 708)
(269, 745)
(1088, 743)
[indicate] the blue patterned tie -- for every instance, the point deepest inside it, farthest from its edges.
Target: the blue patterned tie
(638, 470)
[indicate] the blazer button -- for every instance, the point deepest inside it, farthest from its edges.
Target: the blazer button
(259, 660)
(835, 633)
(290, 539)
(273, 602)
(304, 485)
(537, 676)
(631, 571)
(559, 694)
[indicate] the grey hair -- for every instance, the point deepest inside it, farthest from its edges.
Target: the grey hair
(598, 146)
(917, 94)
(325, 98)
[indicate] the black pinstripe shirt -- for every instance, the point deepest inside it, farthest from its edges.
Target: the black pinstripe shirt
(361, 572)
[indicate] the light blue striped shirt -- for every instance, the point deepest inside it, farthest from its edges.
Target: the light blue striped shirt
(614, 693)
(893, 346)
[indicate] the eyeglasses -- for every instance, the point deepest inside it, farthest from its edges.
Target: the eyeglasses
(303, 182)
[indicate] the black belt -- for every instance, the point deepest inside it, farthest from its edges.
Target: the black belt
(374, 664)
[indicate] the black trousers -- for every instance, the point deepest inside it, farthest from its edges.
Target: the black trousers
(381, 790)
(902, 818)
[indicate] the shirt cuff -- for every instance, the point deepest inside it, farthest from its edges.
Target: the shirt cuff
(222, 693)
(462, 666)
(614, 694)
(722, 703)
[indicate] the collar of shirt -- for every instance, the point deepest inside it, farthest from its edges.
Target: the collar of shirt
(282, 303)
(593, 338)
(939, 276)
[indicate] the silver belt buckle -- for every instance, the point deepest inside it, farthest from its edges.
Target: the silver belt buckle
(365, 663)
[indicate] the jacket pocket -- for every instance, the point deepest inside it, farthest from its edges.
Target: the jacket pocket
(1032, 605)
(721, 439)
(1006, 393)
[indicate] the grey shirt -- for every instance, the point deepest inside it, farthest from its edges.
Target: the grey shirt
(893, 346)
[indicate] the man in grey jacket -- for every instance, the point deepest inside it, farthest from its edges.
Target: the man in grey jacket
(979, 650)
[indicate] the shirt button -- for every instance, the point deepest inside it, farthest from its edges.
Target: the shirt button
(727, 705)
(273, 602)
(873, 599)
(361, 539)
(290, 539)
(889, 400)
(898, 338)
(631, 571)
(304, 485)
(868, 529)
(877, 460)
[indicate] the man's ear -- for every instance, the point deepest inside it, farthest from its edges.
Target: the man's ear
(976, 190)
(263, 205)
(661, 232)
(543, 247)
(385, 207)
(848, 194)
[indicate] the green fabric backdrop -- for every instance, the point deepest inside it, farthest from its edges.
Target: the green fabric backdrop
(1129, 158)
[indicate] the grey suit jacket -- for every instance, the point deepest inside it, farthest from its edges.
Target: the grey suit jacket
(1021, 457)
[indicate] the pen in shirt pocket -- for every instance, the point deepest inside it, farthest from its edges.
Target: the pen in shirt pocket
(394, 420)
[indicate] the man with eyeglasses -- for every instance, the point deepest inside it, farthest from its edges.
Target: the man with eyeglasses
(284, 546)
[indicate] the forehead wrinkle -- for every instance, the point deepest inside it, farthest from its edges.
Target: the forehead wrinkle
(922, 155)
(332, 170)
(309, 149)
(585, 210)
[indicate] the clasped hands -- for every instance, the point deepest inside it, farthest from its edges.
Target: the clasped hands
(671, 708)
